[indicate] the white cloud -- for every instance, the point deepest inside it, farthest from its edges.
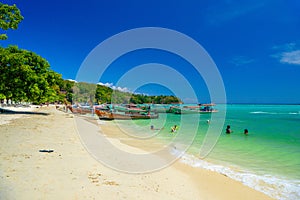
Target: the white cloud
(288, 53)
(111, 85)
(105, 84)
(241, 60)
(285, 47)
(292, 57)
(71, 80)
(125, 89)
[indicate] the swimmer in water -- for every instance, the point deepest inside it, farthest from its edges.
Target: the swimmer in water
(228, 131)
(174, 128)
(152, 128)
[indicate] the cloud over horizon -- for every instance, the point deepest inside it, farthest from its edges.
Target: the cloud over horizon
(71, 80)
(112, 86)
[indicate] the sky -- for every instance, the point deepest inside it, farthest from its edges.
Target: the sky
(254, 44)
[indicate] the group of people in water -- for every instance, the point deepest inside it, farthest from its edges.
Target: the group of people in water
(175, 127)
(228, 130)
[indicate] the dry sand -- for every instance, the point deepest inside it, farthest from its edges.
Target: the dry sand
(70, 172)
(6, 118)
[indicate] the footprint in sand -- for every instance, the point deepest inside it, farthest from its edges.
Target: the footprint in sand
(111, 183)
(95, 178)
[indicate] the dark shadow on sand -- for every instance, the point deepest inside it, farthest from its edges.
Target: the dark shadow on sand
(5, 111)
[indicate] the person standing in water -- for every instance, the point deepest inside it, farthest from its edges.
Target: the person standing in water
(246, 131)
(228, 131)
(152, 128)
(174, 128)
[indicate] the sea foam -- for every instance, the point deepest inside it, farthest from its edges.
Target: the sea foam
(275, 113)
(275, 187)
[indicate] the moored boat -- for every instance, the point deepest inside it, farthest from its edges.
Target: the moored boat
(124, 113)
(81, 109)
(161, 108)
(129, 108)
(199, 109)
(108, 115)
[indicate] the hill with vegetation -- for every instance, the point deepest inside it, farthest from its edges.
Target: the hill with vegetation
(95, 93)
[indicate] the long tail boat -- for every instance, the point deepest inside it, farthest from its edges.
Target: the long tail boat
(124, 114)
(199, 109)
(80, 110)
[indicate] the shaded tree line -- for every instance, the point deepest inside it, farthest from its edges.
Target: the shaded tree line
(27, 77)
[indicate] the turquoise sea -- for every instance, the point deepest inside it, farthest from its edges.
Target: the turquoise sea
(268, 159)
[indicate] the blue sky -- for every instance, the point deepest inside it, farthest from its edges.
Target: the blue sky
(255, 44)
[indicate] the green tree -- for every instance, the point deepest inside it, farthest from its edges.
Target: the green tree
(84, 92)
(120, 97)
(107, 95)
(103, 94)
(26, 76)
(10, 17)
(67, 91)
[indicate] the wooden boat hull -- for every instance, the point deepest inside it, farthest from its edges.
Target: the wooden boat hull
(104, 115)
(177, 110)
(79, 110)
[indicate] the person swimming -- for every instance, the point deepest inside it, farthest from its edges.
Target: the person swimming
(152, 128)
(228, 131)
(174, 128)
(246, 131)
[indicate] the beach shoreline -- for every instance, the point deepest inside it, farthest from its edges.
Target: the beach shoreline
(196, 173)
(70, 172)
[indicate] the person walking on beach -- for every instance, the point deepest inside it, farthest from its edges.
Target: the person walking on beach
(228, 131)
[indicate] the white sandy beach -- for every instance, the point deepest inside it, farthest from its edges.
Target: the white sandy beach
(70, 172)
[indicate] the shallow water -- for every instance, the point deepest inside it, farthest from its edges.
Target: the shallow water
(268, 159)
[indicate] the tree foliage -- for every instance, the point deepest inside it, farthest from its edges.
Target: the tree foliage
(107, 95)
(162, 99)
(67, 90)
(103, 94)
(84, 92)
(26, 76)
(10, 17)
